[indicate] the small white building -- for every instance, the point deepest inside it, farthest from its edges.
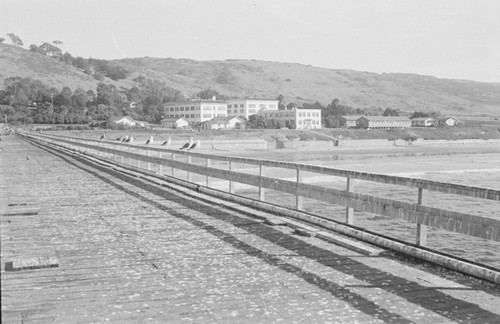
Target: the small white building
(249, 106)
(128, 121)
(423, 122)
(296, 118)
(174, 122)
(447, 121)
(225, 123)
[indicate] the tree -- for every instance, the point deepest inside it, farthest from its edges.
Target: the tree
(391, 112)
(106, 94)
(36, 49)
(116, 72)
(2, 40)
(64, 97)
(209, 94)
(419, 114)
(15, 39)
(335, 108)
(80, 98)
(5, 112)
(257, 122)
(67, 58)
(281, 103)
(51, 50)
(331, 122)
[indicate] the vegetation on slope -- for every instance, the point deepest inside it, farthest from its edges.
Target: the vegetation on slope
(297, 83)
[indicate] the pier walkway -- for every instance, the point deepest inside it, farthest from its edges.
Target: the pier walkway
(108, 247)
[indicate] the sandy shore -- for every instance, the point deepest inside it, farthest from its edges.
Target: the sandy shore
(292, 154)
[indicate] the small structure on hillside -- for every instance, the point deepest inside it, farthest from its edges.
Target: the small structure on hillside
(447, 121)
(174, 122)
(128, 121)
(348, 121)
(225, 123)
(383, 122)
(424, 122)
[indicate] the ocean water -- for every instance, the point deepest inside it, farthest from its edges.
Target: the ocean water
(480, 170)
(472, 169)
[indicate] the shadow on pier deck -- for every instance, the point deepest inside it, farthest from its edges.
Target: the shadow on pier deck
(130, 251)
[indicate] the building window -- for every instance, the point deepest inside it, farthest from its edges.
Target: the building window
(251, 106)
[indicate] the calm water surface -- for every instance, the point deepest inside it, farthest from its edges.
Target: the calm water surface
(472, 169)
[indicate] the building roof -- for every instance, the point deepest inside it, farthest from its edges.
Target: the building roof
(382, 118)
(223, 120)
(116, 119)
(423, 118)
(196, 101)
(249, 99)
(351, 117)
(173, 119)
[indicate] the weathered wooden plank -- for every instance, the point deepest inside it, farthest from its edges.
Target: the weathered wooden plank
(443, 219)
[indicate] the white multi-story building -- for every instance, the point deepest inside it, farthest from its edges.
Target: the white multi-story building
(248, 107)
(296, 118)
(196, 111)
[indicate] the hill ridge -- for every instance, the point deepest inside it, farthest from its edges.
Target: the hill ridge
(295, 81)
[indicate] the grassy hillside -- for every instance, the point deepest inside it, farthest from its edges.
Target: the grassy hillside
(298, 83)
(19, 62)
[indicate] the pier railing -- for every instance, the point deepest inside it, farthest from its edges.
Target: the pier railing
(159, 158)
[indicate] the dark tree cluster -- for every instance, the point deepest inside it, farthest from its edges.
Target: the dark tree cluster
(421, 114)
(27, 101)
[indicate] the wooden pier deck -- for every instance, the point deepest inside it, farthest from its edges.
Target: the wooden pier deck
(109, 248)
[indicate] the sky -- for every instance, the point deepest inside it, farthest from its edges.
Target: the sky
(456, 39)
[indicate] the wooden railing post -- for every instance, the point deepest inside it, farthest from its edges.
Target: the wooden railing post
(262, 191)
(421, 229)
(189, 174)
(172, 168)
(148, 167)
(208, 162)
(349, 212)
(160, 166)
(231, 183)
(298, 199)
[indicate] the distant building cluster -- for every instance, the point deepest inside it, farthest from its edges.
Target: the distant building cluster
(393, 122)
(232, 113)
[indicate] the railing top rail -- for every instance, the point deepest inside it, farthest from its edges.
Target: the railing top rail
(451, 188)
